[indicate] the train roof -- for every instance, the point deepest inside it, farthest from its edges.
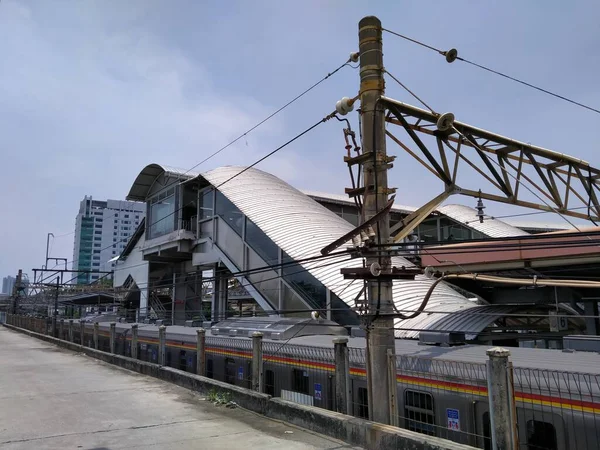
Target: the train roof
(521, 357)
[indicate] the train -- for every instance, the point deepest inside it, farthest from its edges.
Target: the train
(441, 390)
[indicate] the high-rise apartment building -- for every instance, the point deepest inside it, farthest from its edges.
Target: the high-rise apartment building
(7, 284)
(102, 229)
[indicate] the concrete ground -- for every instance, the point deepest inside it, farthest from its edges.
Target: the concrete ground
(51, 398)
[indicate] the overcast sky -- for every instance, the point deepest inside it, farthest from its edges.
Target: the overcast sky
(92, 91)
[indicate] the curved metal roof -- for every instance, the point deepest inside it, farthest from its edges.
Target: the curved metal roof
(148, 175)
(490, 227)
(302, 227)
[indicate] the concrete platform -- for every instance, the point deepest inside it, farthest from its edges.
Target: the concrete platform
(53, 399)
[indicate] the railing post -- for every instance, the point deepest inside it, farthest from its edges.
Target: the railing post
(134, 341)
(393, 389)
(341, 374)
(70, 330)
(498, 392)
(61, 329)
(162, 343)
(96, 329)
(257, 362)
(82, 332)
(200, 351)
(113, 336)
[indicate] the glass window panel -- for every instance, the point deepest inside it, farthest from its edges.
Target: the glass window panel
(162, 217)
(261, 243)
(229, 213)
(206, 204)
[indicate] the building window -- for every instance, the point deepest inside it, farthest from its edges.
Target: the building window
(126, 216)
(96, 264)
(97, 245)
(96, 258)
(227, 211)
(162, 212)
(541, 436)
(261, 244)
(205, 209)
(96, 251)
(300, 381)
(98, 232)
(418, 412)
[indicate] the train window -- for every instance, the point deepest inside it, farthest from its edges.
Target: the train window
(229, 370)
(418, 412)
(541, 436)
(270, 383)
(362, 403)
(300, 381)
(209, 368)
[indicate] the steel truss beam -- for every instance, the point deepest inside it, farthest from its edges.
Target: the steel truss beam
(510, 166)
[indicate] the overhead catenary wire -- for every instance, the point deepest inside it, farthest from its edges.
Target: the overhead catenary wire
(496, 72)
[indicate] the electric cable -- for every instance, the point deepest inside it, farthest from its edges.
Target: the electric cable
(449, 58)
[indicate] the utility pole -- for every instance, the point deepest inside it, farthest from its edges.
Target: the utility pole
(16, 291)
(380, 332)
(55, 313)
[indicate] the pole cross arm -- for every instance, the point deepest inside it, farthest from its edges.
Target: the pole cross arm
(509, 171)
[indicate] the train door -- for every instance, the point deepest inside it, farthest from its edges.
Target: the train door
(483, 429)
(360, 399)
(540, 430)
(270, 383)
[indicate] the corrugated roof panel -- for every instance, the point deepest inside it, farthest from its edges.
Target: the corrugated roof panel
(490, 227)
(345, 200)
(302, 227)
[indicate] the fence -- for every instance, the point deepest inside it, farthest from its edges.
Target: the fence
(472, 403)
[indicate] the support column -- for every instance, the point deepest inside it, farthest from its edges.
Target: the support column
(61, 329)
(113, 336)
(82, 332)
(257, 362)
(393, 402)
(96, 329)
(380, 340)
(162, 344)
(134, 341)
(70, 330)
(201, 351)
(498, 392)
(342, 374)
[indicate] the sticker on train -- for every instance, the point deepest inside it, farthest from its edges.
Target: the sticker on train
(317, 391)
(241, 373)
(453, 419)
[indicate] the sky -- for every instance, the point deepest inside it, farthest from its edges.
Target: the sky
(93, 91)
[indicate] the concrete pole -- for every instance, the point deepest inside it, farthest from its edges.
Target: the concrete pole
(70, 330)
(257, 362)
(379, 294)
(162, 344)
(342, 368)
(134, 341)
(61, 329)
(113, 336)
(201, 351)
(498, 392)
(82, 332)
(96, 329)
